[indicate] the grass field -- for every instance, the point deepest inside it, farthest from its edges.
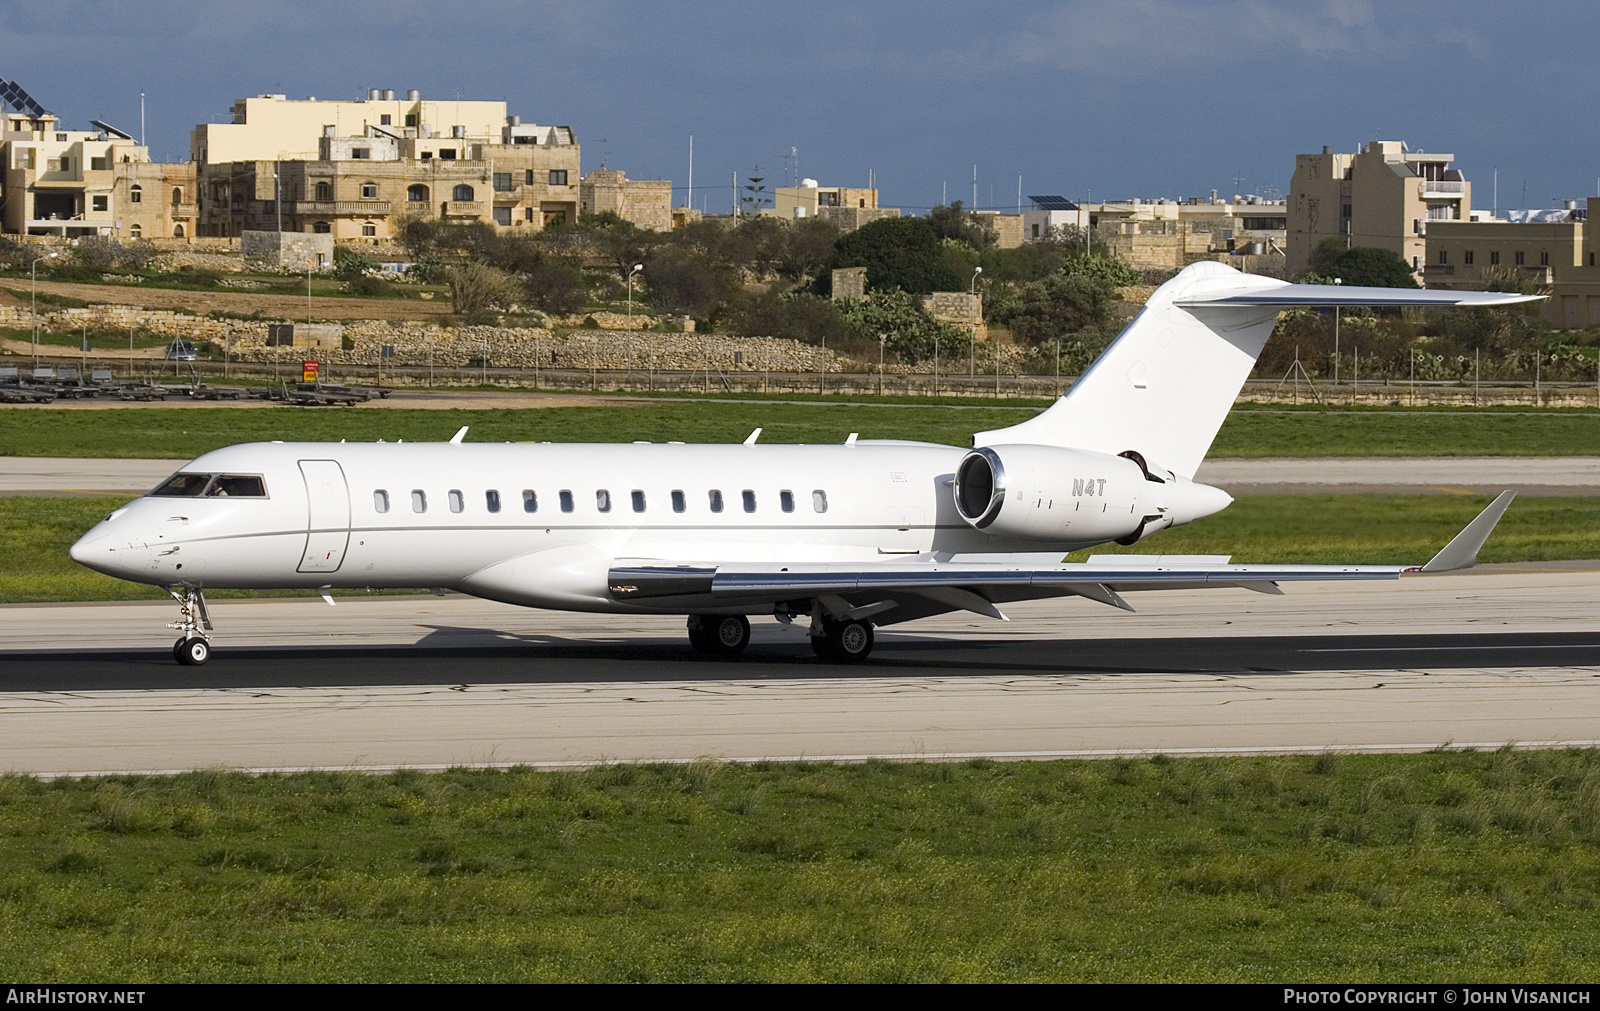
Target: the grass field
(1447, 866)
(35, 534)
(185, 433)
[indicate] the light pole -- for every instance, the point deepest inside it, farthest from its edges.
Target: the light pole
(33, 307)
(882, 338)
(636, 268)
(1336, 338)
(972, 335)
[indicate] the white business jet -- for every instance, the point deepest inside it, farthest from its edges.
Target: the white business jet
(846, 537)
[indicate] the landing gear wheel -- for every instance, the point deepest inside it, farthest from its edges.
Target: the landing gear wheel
(846, 641)
(192, 652)
(719, 635)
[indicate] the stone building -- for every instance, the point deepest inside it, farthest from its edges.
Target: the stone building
(1384, 196)
(1551, 251)
(645, 202)
(358, 170)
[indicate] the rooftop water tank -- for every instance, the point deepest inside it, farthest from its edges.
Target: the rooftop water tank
(809, 184)
(413, 95)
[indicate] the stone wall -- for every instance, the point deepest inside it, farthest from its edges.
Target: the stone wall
(849, 282)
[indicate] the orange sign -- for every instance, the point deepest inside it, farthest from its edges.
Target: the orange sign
(310, 370)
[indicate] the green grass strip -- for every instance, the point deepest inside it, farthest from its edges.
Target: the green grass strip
(184, 433)
(35, 534)
(1447, 866)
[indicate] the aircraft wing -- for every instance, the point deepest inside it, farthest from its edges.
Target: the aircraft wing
(918, 585)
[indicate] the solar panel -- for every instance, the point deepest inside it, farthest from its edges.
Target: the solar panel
(12, 94)
(1053, 203)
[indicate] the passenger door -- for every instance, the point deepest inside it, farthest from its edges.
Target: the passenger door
(328, 516)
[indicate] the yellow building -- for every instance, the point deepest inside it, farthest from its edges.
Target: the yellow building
(88, 182)
(1554, 252)
(644, 202)
(847, 207)
(1384, 196)
(357, 170)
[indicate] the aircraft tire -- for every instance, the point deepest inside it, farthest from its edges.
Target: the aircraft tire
(846, 641)
(192, 652)
(719, 635)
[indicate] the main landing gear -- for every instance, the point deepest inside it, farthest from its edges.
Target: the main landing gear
(719, 635)
(835, 640)
(193, 647)
(842, 640)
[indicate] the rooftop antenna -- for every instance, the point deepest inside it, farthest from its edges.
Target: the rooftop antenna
(974, 189)
(605, 151)
(689, 203)
(141, 119)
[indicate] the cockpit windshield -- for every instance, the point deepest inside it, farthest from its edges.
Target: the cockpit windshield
(187, 485)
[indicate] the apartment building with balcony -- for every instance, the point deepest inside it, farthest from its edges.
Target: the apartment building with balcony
(1162, 233)
(1554, 253)
(73, 183)
(1385, 196)
(358, 170)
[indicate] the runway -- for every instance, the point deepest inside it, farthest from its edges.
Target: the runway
(1479, 659)
(20, 475)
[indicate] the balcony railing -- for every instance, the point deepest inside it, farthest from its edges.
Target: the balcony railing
(183, 210)
(1441, 269)
(1442, 188)
(343, 208)
(464, 209)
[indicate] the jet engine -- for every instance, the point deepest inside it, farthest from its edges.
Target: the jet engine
(1049, 493)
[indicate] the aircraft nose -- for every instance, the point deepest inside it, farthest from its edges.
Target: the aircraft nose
(91, 548)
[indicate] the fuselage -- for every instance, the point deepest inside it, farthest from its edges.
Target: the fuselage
(542, 524)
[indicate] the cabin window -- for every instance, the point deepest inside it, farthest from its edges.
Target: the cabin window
(716, 500)
(638, 501)
(380, 501)
(491, 501)
(749, 500)
(602, 500)
(819, 500)
(786, 501)
(566, 501)
(458, 502)
(530, 501)
(419, 500)
(679, 503)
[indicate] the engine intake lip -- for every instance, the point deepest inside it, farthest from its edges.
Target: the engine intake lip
(980, 487)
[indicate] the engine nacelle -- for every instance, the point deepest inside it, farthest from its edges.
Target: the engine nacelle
(1047, 493)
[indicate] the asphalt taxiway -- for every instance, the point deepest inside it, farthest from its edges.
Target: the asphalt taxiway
(1501, 654)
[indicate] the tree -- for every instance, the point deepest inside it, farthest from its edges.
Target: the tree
(1362, 265)
(476, 289)
(1063, 306)
(963, 226)
(679, 280)
(807, 245)
(755, 193)
(899, 253)
(554, 284)
(910, 333)
(793, 316)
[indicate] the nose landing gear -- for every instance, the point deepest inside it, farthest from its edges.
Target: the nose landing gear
(193, 647)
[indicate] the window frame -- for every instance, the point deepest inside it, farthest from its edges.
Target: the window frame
(819, 500)
(714, 499)
(491, 500)
(680, 502)
(638, 499)
(530, 500)
(568, 503)
(380, 500)
(456, 500)
(419, 501)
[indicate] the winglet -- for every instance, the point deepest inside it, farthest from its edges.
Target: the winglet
(753, 436)
(455, 440)
(1462, 552)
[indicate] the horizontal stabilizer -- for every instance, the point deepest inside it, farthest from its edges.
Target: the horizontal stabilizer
(1287, 295)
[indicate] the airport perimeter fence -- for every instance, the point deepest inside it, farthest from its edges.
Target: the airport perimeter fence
(710, 382)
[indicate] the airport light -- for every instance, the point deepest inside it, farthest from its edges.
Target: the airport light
(972, 336)
(1336, 280)
(33, 307)
(636, 268)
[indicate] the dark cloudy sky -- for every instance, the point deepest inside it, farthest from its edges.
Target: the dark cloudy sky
(1143, 97)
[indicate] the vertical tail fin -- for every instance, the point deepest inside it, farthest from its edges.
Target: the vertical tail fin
(1166, 383)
